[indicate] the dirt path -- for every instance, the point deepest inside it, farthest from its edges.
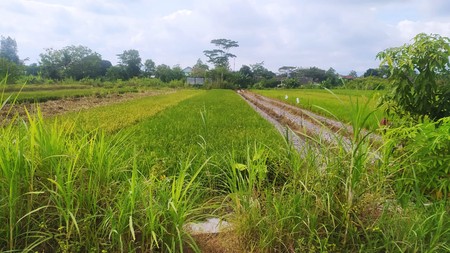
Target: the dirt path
(61, 106)
(304, 123)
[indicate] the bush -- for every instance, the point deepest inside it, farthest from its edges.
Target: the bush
(423, 155)
(367, 83)
(11, 70)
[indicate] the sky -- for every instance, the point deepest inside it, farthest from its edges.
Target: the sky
(343, 34)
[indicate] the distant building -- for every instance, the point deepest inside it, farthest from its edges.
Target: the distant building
(348, 77)
(187, 71)
(197, 81)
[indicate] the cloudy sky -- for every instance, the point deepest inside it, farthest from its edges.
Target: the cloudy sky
(343, 34)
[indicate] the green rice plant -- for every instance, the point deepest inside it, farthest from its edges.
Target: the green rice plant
(209, 125)
(130, 112)
(44, 171)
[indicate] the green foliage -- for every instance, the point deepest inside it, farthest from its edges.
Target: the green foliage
(423, 150)
(382, 71)
(166, 74)
(220, 57)
(8, 50)
(10, 70)
(420, 76)
(76, 62)
(131, 63)
(367, 83)
(149, 68)
(312, 74)
(115, 73)
(290, 83)
(332, 79)
(330, 200)
(199, 69)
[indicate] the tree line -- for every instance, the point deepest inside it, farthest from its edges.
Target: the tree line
(80, 62)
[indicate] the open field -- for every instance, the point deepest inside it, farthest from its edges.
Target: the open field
(129, 176)
(337, 104)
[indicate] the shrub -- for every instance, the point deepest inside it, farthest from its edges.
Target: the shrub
(423, 152)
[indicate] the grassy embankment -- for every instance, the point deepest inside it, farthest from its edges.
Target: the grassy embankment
(336, 103)
(134, 189)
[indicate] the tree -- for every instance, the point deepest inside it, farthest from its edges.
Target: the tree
(420, 76)
(75, 62)
(176, 73)
(10, 70)
(104, 66)
(163, 73)
(287, 70)
(220, 57)
(131, 62)
(260, 72)
(88, 66)
(8, 50)
(371, 72)
(149, 68)
(115, 73)
(314, 74)
(199, 69)
(32, 69)
(167, 74)
(332, 78)
(353, 74)
(52, 64)
(245, 77)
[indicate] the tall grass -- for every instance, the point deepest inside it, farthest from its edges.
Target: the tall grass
(350, 205)
(65, 189)
(72, 191)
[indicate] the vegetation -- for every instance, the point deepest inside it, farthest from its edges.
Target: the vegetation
(367, 83)
(128, 177)
(338, 103)
(221, 57)
(420, 77)
(130, 112)
(74, 188)
(42, 95)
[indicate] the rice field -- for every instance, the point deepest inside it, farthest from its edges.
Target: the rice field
(128, 177)
(42, 93)
(337, 104)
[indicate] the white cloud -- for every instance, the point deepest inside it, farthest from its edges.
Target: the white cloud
(408, 29)
(344, 34)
